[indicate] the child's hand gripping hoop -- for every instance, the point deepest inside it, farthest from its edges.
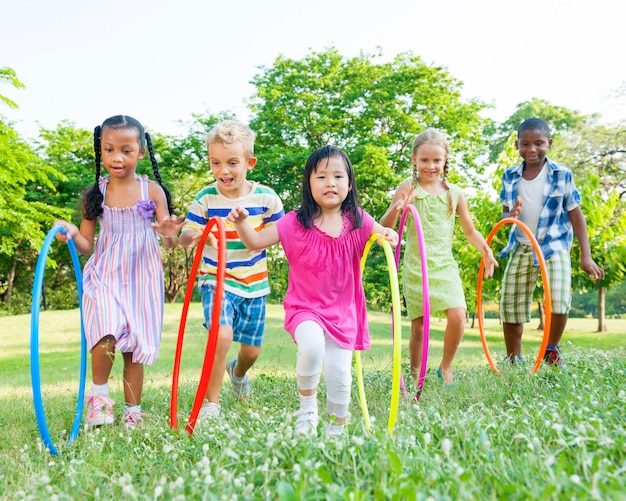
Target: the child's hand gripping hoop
(425, 290)
(209, 356)
(546, 292)
(35, 371)
(397, 334)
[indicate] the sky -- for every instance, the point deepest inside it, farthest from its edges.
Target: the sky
(162, 61)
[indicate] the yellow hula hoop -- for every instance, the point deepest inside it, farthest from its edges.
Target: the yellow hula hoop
(397, 338)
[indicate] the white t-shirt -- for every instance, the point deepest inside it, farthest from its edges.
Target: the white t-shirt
(532, 203)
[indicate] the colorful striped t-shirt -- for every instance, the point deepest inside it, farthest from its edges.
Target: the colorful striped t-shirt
(246, 270)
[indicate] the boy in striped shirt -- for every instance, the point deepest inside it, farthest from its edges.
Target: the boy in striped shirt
(230, 147)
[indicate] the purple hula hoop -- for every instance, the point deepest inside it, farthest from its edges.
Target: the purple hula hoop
(426, 292)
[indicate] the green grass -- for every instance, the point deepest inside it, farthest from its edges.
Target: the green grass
(551, 435)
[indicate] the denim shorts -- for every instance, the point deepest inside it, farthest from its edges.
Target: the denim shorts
(245, 315)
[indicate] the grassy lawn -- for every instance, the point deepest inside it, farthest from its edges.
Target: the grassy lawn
(551, 435)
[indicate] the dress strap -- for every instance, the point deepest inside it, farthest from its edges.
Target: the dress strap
(144, 187)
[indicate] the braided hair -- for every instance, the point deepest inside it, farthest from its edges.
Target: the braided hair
(92, 203)
(435, 138)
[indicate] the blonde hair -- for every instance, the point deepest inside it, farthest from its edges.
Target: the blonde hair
(232, 131)
(434, 138)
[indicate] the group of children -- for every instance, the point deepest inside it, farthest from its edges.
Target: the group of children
(323, 241)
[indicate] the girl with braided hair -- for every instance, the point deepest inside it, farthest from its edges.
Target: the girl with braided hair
(438, 203)
(123, 279)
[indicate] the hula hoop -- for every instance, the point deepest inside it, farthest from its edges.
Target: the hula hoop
(546, 291)
(35, 372)
(425, 290)
(209, 356)
(397, 334)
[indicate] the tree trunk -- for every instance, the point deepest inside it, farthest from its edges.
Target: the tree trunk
(602, 310)
(542, 315)
(6, 297)
(473, 320)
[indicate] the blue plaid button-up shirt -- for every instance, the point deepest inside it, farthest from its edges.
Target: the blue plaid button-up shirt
(554, 228)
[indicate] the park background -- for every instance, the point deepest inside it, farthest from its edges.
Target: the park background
(549, 436)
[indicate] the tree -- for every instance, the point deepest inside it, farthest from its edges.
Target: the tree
(596, 154)
(559, 118)
(8, 75)
(372, 110)
(23, 216)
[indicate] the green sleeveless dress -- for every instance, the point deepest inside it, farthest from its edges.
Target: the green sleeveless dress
(444, 281)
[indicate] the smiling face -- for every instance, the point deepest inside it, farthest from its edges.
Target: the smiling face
(230, 165)
(429, 161)
(121, 150)
(533, 146)
(330, 183)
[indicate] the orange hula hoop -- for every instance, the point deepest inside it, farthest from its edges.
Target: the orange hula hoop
(546, 292)
(209, 356)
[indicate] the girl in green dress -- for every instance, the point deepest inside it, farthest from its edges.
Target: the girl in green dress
(438, 203)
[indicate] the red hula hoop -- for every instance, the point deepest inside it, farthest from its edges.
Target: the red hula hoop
(546, 293)
(209, 356)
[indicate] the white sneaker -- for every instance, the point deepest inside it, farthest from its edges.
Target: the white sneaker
(306, 424)
(334, 430)
(241, 389)
(209, 410)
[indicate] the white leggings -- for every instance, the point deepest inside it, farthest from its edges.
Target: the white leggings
(315, 347)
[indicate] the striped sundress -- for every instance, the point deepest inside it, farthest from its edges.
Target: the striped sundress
(123, 280)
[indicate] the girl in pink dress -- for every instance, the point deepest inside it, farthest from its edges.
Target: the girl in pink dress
(123, 279)
(325, 310)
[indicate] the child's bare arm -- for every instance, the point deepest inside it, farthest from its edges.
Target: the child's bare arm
(253, 240)
(405, 194)
(83, 238)
(386, 233)
(474, 236)
(587, 263)
(516, 211)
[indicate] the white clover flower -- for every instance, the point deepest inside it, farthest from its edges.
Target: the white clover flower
(271, 439)
(205, 448)
(549, 461)
(446, 446)
(158, 491)
(208, 479)
(557, 427)
(129, 490)
(296, 468)
(575, 479)
(274, 461)
(232, 454)
(179, 482)
(427, 438)
(358, 440)
(238, 483)
(167, 448)
(194, 473)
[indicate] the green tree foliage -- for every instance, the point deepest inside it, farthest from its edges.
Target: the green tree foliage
(559, 119)
(25, 217)
(596, 154)
(8, 76)
(370, 108)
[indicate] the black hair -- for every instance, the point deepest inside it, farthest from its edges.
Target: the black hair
(534, 124)
(309, 209)
(92, 203)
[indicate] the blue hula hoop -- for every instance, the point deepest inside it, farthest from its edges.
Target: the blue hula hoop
(35, 371)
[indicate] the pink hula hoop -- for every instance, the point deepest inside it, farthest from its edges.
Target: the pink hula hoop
(426, 291)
